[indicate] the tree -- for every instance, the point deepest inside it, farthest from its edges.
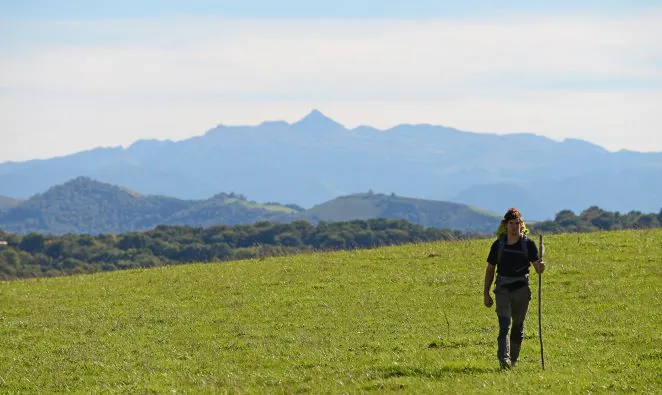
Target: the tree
(32, 243)
(564, 215)
(133, 240)
(71, 263)
(604, 222)
(56, 249)
(648, 221)
(592, 213)
(288, 239)
(11, 257)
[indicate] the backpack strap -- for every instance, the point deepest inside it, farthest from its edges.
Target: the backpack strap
(525, 247)
(500, 248)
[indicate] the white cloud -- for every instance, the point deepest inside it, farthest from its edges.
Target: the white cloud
(172, 78)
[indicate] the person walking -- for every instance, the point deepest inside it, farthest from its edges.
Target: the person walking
(511, 256)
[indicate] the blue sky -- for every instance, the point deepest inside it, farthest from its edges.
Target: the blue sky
(80, 74)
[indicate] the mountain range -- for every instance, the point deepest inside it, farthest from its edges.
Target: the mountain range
(83, 205)
(317, 159)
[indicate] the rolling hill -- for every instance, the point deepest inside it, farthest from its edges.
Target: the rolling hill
(428, 213)
(230, 209)
(83, 205)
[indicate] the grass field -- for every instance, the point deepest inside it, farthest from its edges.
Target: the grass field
(268, 207)
(405, 319)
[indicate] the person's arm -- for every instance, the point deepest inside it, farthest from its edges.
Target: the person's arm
(489, 278)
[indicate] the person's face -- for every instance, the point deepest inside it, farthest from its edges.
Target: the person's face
(514, 227)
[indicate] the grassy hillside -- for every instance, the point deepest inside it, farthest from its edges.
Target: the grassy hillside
(428, 213)
(406, 318)
(229, 210)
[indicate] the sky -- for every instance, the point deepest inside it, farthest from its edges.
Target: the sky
(75, 75)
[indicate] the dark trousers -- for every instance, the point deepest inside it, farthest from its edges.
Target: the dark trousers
(511, 307)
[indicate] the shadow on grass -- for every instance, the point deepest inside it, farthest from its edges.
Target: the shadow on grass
(456, 343)
(435, 373)
(385, 387)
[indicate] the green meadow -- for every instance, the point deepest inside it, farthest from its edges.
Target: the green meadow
(398, 319)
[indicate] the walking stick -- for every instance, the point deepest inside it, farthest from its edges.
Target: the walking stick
(542, 354)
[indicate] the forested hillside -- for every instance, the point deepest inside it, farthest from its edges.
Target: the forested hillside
(83, 205)
(37, 255)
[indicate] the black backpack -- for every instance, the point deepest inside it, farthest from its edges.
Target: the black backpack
(502, 246)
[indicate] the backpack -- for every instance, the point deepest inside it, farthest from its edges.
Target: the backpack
(502, 246)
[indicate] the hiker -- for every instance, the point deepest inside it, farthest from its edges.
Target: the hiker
(511, 255)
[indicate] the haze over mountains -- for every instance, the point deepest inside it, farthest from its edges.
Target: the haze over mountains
(317, 159)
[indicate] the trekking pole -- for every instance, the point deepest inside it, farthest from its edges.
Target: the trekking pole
(542, 353)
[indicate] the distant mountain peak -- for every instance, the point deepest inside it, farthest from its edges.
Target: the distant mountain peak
(315, 119)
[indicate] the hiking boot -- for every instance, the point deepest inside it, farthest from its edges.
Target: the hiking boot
(515, 347)
(503, 350)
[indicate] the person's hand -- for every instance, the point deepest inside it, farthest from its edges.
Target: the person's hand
(487, 300)
(539, 265)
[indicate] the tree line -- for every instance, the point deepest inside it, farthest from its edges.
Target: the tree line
(39, 255)
(595, 219)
